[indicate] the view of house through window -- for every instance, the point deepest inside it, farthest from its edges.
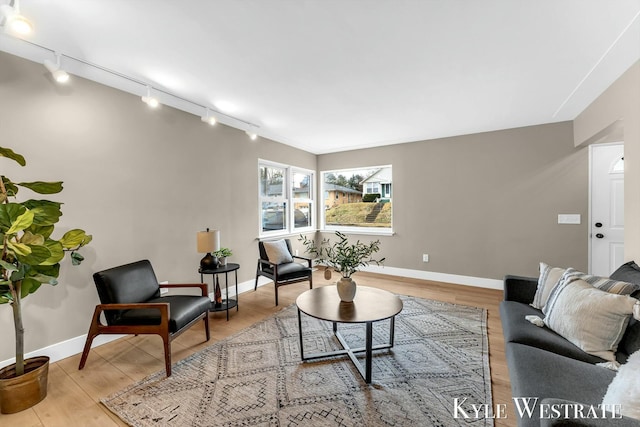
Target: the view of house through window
(286, 198)
(357, 198)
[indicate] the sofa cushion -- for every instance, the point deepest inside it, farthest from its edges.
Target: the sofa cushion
(590, 318)
(548, 279)
(518, 330)
(539, 373)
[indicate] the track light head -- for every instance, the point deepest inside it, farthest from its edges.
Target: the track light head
(150, 100)
(58, 74)
(14, 21)
(208, 118)
(252, 135)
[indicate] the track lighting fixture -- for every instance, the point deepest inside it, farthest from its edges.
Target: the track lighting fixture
(208, 118)
(252, 134)
(150, 100)
(14, 21)
(58, 74)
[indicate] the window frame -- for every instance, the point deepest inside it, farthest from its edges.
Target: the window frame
(386, 231)
(287, 199)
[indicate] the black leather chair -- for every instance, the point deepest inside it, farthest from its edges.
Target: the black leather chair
(131, 303)
(284, 273)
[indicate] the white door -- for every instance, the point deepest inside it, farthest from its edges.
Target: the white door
(607, 208)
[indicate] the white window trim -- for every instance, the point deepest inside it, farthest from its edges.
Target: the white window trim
(288, 200)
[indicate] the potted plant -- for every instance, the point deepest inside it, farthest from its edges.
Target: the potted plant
(222, 255)
(30, 257)
(345, 258)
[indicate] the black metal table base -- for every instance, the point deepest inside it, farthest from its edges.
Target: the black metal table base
(351, 352)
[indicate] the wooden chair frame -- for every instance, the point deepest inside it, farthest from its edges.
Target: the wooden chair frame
(162, 329)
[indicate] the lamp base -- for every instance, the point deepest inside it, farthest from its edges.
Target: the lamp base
(209, 262)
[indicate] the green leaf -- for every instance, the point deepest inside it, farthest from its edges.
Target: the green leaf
(7, 266)
(11, 188)
(56, 250)
(38, 255)
(76, 258)
(29, 286)
(28, 238)
(9, 213)
(44, 211)
(10, 154)
(19, 249)
(41, 187)
(23, 221)
(75, 238)
(42, 278)
(43, 230)
(47, 270)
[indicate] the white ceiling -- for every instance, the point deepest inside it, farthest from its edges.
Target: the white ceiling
(332, 75)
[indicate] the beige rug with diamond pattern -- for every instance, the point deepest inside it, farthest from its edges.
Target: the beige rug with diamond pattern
(256, 377)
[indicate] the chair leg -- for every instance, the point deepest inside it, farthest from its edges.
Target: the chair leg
(275, 285)
(167, 353)
(93, 332)
(255, 287)
(311, 282)
(206, 326)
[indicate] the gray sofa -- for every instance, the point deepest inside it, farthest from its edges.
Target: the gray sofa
(544, 365)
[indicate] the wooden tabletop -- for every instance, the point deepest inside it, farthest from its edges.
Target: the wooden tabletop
(369, 305)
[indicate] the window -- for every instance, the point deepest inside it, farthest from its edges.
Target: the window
(286, 199)
(357, 200)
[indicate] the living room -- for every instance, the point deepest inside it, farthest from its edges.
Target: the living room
(143, 182)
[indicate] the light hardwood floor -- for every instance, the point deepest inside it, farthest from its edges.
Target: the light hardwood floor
(74, 396)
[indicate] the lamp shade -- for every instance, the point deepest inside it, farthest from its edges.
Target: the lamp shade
(208, 241)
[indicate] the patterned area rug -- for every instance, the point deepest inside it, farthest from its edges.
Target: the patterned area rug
(256, 377)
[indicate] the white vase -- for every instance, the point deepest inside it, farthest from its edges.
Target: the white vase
(346, 289)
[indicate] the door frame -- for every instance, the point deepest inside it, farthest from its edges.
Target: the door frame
(590, 214)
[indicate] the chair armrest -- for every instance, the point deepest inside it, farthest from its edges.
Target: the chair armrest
(203, 286)
(266, 261)
(308, 260)
(520, 289)
(133, 306)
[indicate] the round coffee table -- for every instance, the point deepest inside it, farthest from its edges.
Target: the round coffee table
(369, 305)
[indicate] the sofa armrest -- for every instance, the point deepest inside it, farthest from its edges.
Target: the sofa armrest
(609, 421)
(520, 289)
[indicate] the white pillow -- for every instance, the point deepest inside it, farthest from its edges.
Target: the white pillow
(590, 318)
(548, 279)
(277, 251)
(624, 390)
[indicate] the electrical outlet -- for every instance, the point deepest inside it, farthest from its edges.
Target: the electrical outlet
(425, 257)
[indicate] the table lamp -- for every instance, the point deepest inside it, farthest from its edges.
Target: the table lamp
(208, 242)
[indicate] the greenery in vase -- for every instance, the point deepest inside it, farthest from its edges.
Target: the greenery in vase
(222, 253)
(342, 256)
(30, 255)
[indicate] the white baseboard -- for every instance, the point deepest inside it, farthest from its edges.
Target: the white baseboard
(65, 349)
(479, 282)
(74, 346)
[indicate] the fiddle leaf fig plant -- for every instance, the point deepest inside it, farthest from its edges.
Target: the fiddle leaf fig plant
(30, 254)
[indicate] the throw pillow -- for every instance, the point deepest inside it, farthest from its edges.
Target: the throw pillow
(591, 319)
(624, 390)
(628, 272)
(549, 278)
(604, 283)
(277, 251)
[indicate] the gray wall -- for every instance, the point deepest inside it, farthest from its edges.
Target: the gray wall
(483, 205)
(142, 181)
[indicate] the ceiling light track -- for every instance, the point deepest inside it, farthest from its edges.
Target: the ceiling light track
(211, 114)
